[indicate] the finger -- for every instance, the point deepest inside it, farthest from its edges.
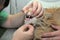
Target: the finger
(27, 6)
(53, 38)
(38, 9)
(51, 34)
(35, 5)
(41, 13)
(24, 27)
(31, 29)
(56, 27)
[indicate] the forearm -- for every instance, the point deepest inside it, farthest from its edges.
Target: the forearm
(15, 20)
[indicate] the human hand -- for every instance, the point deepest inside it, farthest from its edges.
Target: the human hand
(36, 8)
(23, 34)
(52, 35)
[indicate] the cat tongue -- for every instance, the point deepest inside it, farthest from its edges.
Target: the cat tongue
(27, 19)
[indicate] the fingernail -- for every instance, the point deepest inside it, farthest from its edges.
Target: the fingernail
(54, 25)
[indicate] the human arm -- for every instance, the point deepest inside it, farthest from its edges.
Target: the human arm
(14, 21)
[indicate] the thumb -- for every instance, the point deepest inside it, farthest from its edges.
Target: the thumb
(56, 27)
(27, 28)
(31, 29)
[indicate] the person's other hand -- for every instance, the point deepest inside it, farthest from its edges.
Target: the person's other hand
(52, 35)
(24, 33)
(36, 6)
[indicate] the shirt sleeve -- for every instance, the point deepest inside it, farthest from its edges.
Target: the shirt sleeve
(3, 17)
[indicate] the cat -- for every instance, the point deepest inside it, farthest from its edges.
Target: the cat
(43, 24)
